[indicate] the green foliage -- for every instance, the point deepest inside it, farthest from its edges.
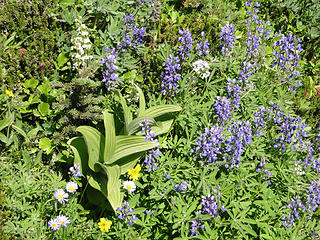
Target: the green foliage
(106, 157)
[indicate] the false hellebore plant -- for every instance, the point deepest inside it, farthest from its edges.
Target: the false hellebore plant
(104, 158)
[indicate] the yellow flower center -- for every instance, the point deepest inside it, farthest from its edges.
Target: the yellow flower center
(129, 187)
(60, 196)
(71, 188)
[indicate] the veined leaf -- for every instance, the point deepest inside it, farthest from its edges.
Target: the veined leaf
(95, 144)
(162, 127)
(80, 151)
(99, 182)
(134, 124)
(19, 130)
(127, 145)
(6, 122)
(142, 101)
(126, 111)
(113, 185)
(110, 136)
(157, 111)
(128, 162)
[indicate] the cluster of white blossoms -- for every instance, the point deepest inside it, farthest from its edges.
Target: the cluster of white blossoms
(81, 45)
(202, 68)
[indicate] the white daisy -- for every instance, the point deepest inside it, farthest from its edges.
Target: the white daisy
(130, 186)
(71, 187)
(61, 196)
(63, 220)
(54, 224)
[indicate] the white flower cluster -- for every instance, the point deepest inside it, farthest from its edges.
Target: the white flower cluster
(81, 45)
(201, 67)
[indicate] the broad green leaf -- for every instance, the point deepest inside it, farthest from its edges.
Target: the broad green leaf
(157, 111)
(142, 101)
(126, 111)
(44, 89)
(19, 130)
(31, 83)
(99, 182)
(110, 136)
(114, 186)
(43, 109)
(134, 124)
(95, 197)
(95, 144)
(6, 122)
(127, 145)
(128, 162)
(162, 127)
(80, 152)
(62, 59)
(45, 144)
(3, 138)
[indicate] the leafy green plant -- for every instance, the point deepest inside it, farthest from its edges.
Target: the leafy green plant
(104, 158)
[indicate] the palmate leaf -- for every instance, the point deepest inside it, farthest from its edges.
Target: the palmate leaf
(157, 111)
(127, 145)
(95, 144)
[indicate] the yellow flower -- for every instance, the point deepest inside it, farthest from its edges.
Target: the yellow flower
(9, 93)
(104, 225)
(134, 173)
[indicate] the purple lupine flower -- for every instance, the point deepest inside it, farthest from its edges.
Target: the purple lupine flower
(210, 144)
(309, 159)
(296, 206)
(186, 43)
(236, 143)
(124, 212)
(286, 57)
(313, 198)
(153, 154)
(317, 140)
(132, 34)
(170, 76)
(183, 186)
(223, 109)
(75, 171)
(210, 204)
(233, 89)
(196, 225)
(247, 71)
(203, 46)
(261, 169)
(110, 78)
(227, 36)
(292, 129)
(259, 119)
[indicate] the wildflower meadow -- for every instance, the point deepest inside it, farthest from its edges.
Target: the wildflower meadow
(160, 119)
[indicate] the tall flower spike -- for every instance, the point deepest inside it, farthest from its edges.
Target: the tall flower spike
(203, 46)
(186, 43)
(110, 77)
(227, 36)
(170, 76)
